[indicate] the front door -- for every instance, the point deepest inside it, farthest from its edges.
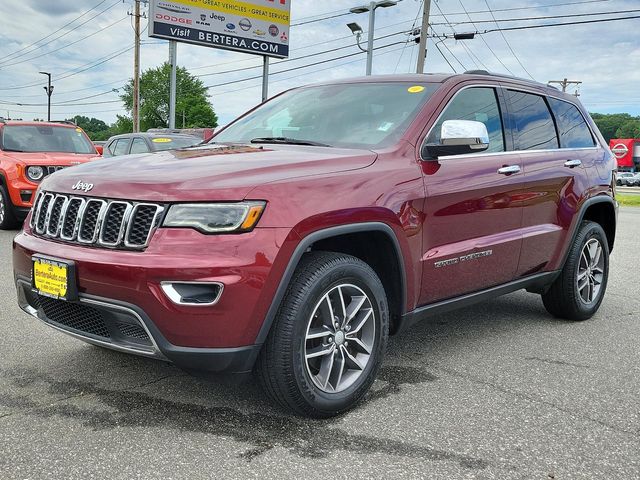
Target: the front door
(472, 236)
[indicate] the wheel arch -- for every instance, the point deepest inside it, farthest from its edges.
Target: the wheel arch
(602, 211)
(344, 239)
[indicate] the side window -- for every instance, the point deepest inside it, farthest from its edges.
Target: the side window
(536, 129)
(139, 146)
(479, 104)
(574, 132)
(120, 147)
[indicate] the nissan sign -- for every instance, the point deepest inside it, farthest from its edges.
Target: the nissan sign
(250, 26)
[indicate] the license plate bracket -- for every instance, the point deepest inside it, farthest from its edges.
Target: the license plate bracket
(54, 277)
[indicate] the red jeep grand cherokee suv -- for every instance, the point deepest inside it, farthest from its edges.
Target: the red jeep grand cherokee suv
(323, 220)
(29, 151)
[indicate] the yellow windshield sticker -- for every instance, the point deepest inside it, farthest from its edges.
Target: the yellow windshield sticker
(79, 130)
(415, 89)
(162, 140)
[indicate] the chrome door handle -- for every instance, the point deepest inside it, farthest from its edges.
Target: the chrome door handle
(572, 163)
(510, 170)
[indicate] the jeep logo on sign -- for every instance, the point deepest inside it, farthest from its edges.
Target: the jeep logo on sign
(85, 187)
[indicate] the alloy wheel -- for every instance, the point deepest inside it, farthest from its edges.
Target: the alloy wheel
(340, 338)
(590, 271)
(2, 208)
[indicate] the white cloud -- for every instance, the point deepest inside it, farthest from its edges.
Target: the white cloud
(605, 56)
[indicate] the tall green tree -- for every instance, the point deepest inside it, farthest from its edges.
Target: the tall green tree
(192, 102)
(94, 127)
(611, 124)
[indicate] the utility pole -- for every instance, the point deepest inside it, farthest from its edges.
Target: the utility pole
(49, 90)
(565, 83)
(422, 49)
(136, 66)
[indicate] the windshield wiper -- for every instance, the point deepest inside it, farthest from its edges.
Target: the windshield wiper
(289, 141)
(13, 150)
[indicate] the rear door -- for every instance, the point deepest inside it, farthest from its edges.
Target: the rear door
(472, 238)
(554, 149)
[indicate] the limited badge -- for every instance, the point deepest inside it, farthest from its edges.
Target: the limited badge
(161, 140)
(415, 89)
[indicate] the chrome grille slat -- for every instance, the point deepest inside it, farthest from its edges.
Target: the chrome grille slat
(95, 221)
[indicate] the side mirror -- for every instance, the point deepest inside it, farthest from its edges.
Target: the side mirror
(458, 137)
(99, 149)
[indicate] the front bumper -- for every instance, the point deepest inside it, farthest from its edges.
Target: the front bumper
(128, 329)
(125, 288)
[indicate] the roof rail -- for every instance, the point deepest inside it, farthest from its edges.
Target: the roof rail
(504, 75)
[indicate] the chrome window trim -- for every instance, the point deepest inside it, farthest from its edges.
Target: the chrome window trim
(174, 296)
(123, 224)
(597, 146)
(154, 224)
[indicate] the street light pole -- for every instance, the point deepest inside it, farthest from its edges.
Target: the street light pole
(49, 90)
(371, 8)
(372, 27)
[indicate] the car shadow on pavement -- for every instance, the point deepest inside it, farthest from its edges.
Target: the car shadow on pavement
(126, 391)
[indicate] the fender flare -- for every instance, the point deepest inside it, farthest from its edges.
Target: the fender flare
(580, 217)
(309, 240)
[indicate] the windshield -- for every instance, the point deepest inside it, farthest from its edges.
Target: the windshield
(170, 143)
(45, 138)
(352, 115)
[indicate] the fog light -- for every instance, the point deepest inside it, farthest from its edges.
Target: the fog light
(25, 195)
(193, 293)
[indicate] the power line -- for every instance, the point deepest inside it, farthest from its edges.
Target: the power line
(508, 44)
(535, 7)
(296, 58)
(546, 17)
(413, 26)
(64, 46)
(528, 27)
(7, 62)
(8, 56)
(301, 66)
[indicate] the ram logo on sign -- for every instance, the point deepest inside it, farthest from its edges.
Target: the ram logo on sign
(213, 23)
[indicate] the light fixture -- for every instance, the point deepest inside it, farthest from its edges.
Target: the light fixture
(355, 28)
(464, 36)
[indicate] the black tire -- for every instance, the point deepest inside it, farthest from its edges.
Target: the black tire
(564, 299)
(283, 369)
(8, 221)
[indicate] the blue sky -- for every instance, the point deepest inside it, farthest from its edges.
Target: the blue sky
(604, 56)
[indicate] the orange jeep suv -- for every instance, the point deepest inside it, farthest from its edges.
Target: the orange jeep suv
(29, 151)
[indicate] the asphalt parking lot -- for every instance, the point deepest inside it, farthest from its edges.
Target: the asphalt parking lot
(499, 390)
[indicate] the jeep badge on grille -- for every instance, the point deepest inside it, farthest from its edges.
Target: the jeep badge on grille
(85, 187)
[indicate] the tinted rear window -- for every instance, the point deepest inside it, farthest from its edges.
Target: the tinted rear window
(536, 129)
(574, 132)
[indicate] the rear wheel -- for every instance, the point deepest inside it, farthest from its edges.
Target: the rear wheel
(8, 220)
(329, 336)
(578, 292)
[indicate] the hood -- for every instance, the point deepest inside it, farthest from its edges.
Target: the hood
(55, 159)
(210, 172)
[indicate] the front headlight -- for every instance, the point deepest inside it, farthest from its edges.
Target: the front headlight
(35, 174)
(215, 217)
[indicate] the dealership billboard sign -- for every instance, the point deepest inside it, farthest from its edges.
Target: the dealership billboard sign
(252, 26)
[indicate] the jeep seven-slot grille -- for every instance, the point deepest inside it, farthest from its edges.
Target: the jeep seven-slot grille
(95, 221)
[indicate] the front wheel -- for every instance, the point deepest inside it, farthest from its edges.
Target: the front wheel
(328, 338)
(7, 219)
(578, 292)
